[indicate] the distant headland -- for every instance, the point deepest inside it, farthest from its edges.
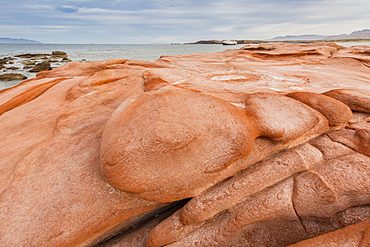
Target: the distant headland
(18, 41)
(357, 36)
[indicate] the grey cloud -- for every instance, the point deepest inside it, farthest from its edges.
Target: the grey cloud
(67, 9)
(179, 20)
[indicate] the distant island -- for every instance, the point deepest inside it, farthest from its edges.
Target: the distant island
(18, 41)
(357, 36)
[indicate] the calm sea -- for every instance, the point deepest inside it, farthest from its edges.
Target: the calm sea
(93, 52)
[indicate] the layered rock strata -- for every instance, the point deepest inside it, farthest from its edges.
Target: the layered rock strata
(267, 145)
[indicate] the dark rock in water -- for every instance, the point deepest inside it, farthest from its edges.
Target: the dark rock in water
(3, 60)
(41, 67)
(66, 59)
(28, 62)
(59, 54)
(41, 56)
(29, 55)
(12, 68)
(12, 77)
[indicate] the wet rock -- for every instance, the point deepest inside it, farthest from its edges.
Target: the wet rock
(29, 55)
(41, 67)
(28, 62)
(12, 68)
(12, 77)
(66, 59)
(59, 54)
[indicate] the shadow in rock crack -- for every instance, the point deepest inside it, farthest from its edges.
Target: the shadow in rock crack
(136, 234)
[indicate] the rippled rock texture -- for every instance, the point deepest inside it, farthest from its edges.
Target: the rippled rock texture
(267, 145)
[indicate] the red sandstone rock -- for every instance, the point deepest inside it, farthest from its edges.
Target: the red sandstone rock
(357, 235)
(336, 112)
(279, 117)
(263, 174)
(356, 100)
(91, 150)
(322, 197)
(176, 143)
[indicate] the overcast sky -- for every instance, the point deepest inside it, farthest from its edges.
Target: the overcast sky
(166, 21)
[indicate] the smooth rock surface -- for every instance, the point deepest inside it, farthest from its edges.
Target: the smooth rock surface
(336, 112)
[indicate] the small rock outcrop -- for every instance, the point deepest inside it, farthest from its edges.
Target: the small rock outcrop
(267, 145)
(41, 67)
(59, 54)
(12, 77)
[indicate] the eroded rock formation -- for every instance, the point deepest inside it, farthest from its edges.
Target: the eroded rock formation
(267, 145)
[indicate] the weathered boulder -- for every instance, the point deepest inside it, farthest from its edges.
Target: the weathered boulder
(32, 55)
(66, 59)
(12, 77)
(259, 146)
(41, 67)
(28, 62)
(59, 54)
(12, 68)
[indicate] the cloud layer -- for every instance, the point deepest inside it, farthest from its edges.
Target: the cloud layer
(147, 21)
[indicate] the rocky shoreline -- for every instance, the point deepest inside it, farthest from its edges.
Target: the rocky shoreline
(266, 145)
(19, 66)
